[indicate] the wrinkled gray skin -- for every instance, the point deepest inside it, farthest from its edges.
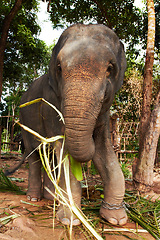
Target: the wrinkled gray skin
(86, 69)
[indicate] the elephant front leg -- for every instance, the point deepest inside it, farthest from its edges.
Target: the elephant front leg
(106, 162)
(34, 179)
(63, 213)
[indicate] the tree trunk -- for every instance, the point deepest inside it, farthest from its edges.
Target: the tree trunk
(3, 40)
(148, 72)
(113, 130)
(12, 126)
(143, 175)
(149, 123)
(12, 135)
(0, 139)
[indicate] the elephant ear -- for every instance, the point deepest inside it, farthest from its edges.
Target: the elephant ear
(53, 81)
(122, 63)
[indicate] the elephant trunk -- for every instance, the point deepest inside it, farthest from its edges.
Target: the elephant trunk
(80, 118)
(79, 141)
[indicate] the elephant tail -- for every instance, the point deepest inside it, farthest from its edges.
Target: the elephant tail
(12, 170)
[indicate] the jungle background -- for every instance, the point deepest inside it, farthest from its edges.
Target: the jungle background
(24, 57)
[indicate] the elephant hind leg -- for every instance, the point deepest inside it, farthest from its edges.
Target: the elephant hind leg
(34, 192)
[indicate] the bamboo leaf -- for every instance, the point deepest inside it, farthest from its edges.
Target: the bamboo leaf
(44, 140)
(149, 220)
(5, 220)
(43, 100)
(157, 217)
(76, 168)
(7, 185)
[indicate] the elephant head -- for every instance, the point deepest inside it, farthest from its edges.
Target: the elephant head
(86, 69)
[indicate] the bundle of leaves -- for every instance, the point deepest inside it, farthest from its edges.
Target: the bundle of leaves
(7, 185)
(145, 212)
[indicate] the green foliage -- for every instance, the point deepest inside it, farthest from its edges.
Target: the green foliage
(126, 172)
(127, 102)
(122, 16)
(25, 56)
(76, 168)
(128, 21)
(93, 169)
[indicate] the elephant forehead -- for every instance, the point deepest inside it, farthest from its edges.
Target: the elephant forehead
(84, 49)
(74, 44)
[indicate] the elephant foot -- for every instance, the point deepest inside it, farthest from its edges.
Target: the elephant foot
(33, 196)
(114, 213)
(64, 216)
(33, 199)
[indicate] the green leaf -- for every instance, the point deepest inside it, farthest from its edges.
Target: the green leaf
(7, 185)
(76, 168)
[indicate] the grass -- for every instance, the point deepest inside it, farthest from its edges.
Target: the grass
(126, 172)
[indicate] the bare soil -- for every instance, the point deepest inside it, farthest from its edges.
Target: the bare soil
(36, 221)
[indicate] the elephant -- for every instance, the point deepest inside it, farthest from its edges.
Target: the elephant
(86, 69)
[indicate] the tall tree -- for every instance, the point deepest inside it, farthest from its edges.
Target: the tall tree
(150, 121)
(20, 48)
(3, 40)
(22, 54)
(4, 34)
(148, 71)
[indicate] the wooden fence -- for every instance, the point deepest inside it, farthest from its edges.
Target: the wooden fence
(124, 137)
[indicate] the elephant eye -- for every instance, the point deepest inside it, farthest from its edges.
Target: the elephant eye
(59, 69)
(109, 69)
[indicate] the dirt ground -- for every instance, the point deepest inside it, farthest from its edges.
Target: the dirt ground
(36, 221)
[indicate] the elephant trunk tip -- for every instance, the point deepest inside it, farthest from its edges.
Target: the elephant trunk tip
(84, 153)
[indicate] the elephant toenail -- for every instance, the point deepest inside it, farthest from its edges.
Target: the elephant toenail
(76, 222)
(65, 221)
(113, 221)
(29, 198)
(34, 199)
(123, 221)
